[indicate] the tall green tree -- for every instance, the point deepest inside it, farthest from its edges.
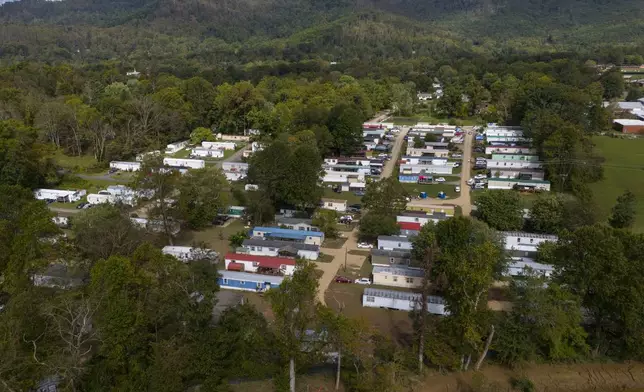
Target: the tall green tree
(386, 196)
(500, 209)
(201, 194)
(623, 213)
(345, 127)
(295, 307)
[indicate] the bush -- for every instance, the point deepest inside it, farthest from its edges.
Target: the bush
(522, 384)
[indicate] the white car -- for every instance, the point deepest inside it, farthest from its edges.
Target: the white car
(364, 245)
(480, 176)
(440, 179)
(457, 155)
(457, 188)
(470, 181)
(363, 281)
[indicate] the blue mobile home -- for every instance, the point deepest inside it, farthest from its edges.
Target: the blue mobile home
(278, 233)
(247, 282)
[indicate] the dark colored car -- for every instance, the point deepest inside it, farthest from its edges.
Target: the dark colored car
(81, 205)
(356, 207)
(342, 279)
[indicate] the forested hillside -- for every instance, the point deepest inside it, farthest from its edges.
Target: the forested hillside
(246, 30)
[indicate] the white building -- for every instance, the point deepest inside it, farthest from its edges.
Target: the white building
(391, 242)
(397, 276)
(520, 266)
(303, 224)
(401, 300)
(204, 152)
(235, 166)
(60, 221)
(186, 253)
(508, 149)
(100, 198)
(334, 204)
(525, 174)
(251, 263)
(187, 163)
(427, 169)
(125, 166)
(176, 147)
(508, 164)
(238, 138)
(342, 177)
(515, 183)
(60, 195)
(428, 150)
(261, 247)
(502, 130)
(219, 145)
(521, 244)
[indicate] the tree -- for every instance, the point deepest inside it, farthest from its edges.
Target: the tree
(613, 83)
(345, 127)
(327, 221)
(402, 98)
(105, 231)
(162, 184)
(418, 142)
(374, 224)
(547, 214)
(201, 194)
(202, 134)
(470, 258)
(544, 324)
(429, 138)
(233, 104)
(22, 157)
(236, 240)
(294, 305)
(386, 196)
(24, 223)
(623, 213)
(500, 209)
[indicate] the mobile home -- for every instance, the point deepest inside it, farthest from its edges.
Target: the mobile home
(186, 253)
(187, 163)
(243, 281)
(60, 195)
(401, 300)
(125, 166)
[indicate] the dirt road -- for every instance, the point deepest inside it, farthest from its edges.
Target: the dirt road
(464, 200)
(353, 261)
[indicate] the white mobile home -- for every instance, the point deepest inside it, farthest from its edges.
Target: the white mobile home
(509, 149)
(204, 152)
(60, 195)
(187, 163)
(60, 221)
(260, 247)
(492, 164)
(140, 157)
(100, 198)
(219, 145)
(125, 166)
(391, 242)
(401, 300)
(521, 244)
(512, 183)
(186, 253)
(426, 169)
(397, 276)
(176, 147)
(334, 204)
(520, 266)
(234, 166)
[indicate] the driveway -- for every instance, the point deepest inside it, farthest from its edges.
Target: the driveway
(330, 270)
(236, 157)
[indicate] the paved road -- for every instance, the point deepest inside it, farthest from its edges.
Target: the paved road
(236, 157)
(330, 270)
(464, 200)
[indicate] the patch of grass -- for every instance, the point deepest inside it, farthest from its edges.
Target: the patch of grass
(335, 243)
(623, 169)
(67, 206)
(350, 197)
(81, 163)
(431, 189)
(90, 185)
(324, 258)
(214, 237)
(184, 153)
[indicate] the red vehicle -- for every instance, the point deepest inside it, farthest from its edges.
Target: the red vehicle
(342, 279)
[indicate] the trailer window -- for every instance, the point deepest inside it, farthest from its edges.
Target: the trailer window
(370, 299)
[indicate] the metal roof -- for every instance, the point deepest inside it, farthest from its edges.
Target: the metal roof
(288, 232)
(294, 221)
(248, 277)
(403, 295)
(523, 234)
(393, 238)
(391, 253)
(280, 244)
(397, 270)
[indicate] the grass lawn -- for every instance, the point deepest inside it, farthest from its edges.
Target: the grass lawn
(623, 169)
(184, 153)
(431, 189)
(324, 258)
(335, 243)
(527, 199)
(81, 163)
(350, 197)
(214, 237)
(91, 185)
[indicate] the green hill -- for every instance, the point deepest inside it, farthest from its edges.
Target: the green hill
(232, 30)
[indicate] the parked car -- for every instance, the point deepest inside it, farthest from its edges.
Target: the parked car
(364, 245)
(363, 281)
(470, 181)
(82, 205)
(480, 176)
(49, 201)
(112, 171)
(359, 193)
(457, 155)
(343, 279)
(457, 189)
(356, 207)
(440, 179)
(479, 185)
(346, 219)
(457, 164)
